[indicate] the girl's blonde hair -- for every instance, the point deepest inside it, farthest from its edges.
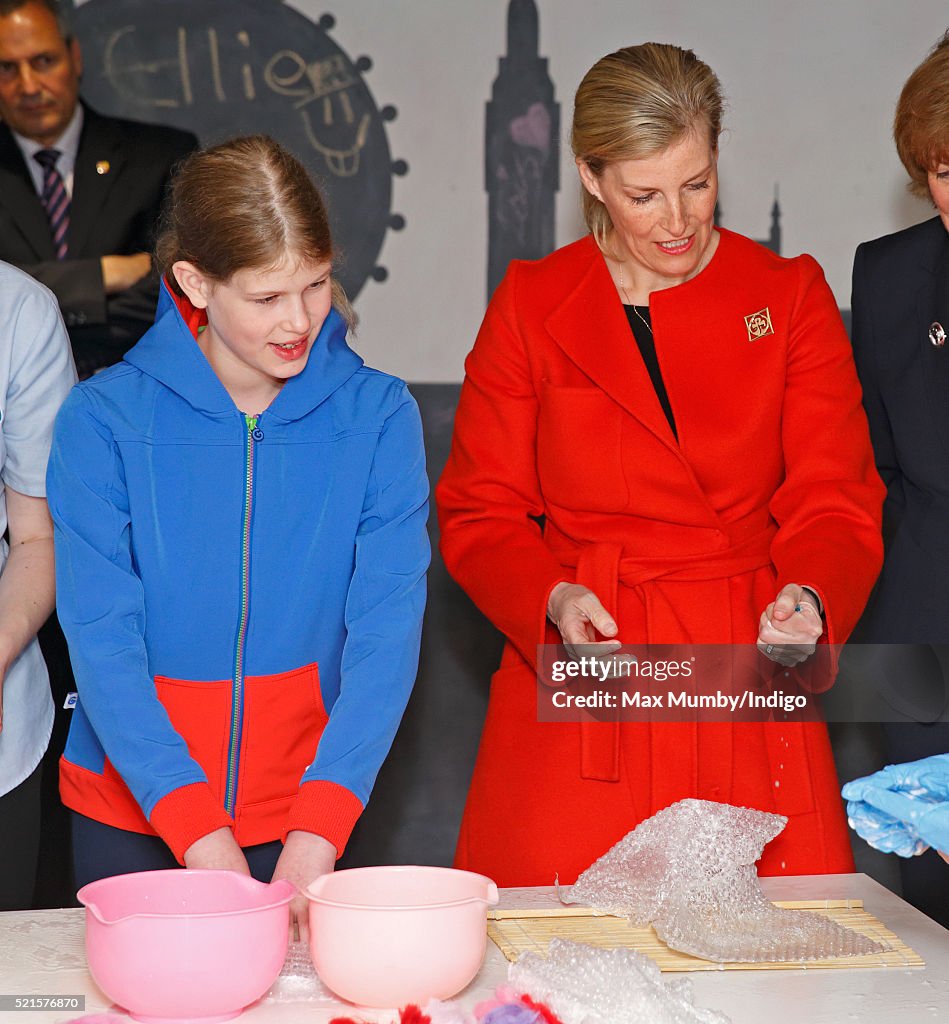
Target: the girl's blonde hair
(244, 204)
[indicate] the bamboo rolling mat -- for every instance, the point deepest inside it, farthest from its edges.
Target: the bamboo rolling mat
(521, 931)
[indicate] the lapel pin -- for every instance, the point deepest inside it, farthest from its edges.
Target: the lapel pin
(759, 324)
(936, 334)
(103, 167)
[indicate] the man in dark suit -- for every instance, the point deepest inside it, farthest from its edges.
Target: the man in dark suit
(80, 194)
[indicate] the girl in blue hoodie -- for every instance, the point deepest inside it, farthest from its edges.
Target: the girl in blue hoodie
(240, 513)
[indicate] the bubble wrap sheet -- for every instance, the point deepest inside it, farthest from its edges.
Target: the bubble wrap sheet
(583, 985)
(298, 980)
(689, 871)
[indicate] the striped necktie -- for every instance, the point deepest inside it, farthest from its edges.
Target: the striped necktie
(55, 200)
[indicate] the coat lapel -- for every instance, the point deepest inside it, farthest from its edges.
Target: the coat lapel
(18, 196)
(590, 326)
(99, 151)
(933, 308)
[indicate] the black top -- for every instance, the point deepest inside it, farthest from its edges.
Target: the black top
(639, 321)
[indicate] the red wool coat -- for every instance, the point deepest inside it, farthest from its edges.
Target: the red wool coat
(771, 482)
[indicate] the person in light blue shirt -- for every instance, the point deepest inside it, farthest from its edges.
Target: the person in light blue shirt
(36, 372)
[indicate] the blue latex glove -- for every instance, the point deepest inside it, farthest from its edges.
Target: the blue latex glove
(882, 831)
(904, 808)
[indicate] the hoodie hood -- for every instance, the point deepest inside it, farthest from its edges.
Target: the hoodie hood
(169, 352)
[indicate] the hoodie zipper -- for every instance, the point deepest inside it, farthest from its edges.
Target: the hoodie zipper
(254, 434)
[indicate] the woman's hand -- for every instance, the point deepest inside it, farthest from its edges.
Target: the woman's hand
(576, 611)
(790, 626)
(305, 857)
(217, 850)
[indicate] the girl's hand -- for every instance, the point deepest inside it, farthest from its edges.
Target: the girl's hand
(305, 857)
(790, 626)
(217, 850)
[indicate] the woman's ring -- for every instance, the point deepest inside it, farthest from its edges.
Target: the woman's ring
(769, 649)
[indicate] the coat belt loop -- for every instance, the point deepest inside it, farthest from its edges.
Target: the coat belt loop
(598, 568)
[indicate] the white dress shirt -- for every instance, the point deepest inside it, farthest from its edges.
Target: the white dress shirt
(68, 146)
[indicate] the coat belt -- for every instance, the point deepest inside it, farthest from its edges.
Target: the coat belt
(602, 567)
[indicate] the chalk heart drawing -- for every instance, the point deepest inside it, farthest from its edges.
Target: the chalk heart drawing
(533, 128)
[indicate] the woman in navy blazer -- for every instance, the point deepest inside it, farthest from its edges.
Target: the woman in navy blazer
(900, 326)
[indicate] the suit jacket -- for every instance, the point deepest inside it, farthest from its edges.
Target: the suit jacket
(900, 289)
(771, 481)
(115, 212)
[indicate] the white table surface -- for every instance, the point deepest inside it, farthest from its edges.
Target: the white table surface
(42, 952)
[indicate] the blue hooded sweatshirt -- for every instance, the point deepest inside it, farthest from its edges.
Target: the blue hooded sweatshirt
(242, 595)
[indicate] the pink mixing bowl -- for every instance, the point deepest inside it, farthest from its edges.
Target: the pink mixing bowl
(389, 936)
(178, 946)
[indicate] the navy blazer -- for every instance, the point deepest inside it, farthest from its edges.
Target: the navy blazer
(900, 290)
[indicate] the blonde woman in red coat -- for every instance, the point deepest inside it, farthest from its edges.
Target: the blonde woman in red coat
(680, 407)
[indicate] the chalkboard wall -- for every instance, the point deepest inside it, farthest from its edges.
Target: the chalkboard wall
(248, 66)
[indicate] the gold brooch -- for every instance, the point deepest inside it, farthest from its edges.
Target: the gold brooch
(103, 167)
(759, 324)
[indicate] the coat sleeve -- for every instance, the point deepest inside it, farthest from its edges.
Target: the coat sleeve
(881, 432)
(130, 312)
(829, 506)
(489, 497)
(77, 285)
(101, 606)
(383, 620)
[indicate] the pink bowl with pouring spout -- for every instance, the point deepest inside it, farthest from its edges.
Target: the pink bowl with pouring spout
(185, 946)
(388, 936)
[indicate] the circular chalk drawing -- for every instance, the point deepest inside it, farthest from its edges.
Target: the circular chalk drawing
(247, 67)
